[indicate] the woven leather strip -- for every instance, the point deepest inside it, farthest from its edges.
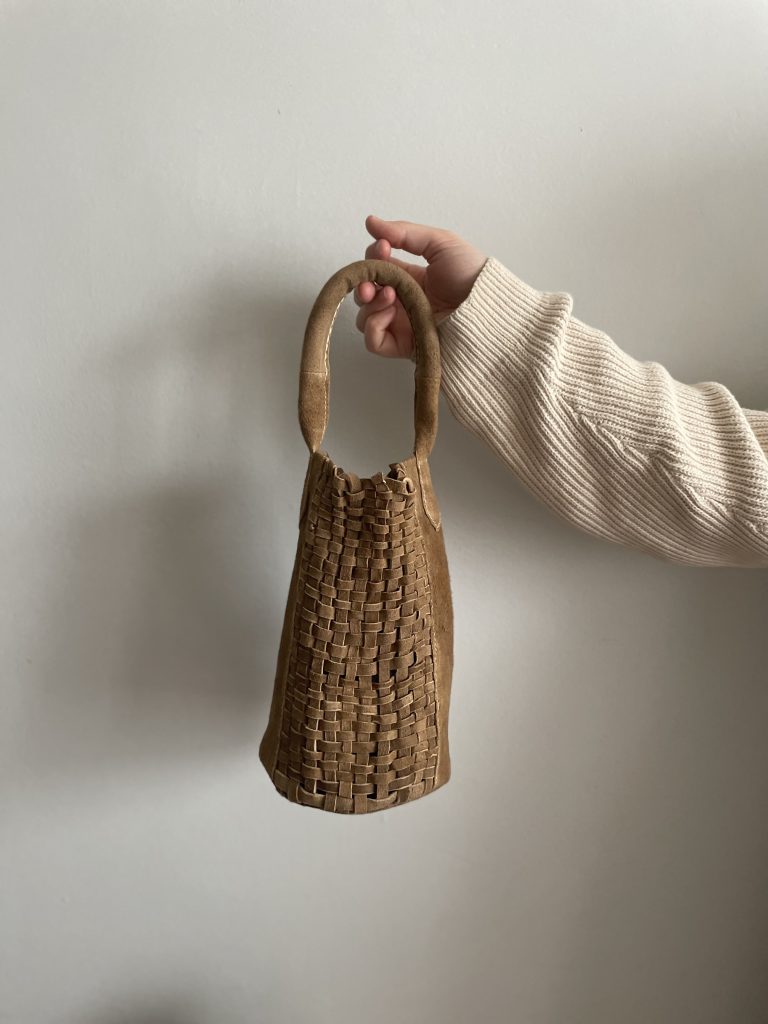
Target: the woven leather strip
(358, 730)
(358, 720)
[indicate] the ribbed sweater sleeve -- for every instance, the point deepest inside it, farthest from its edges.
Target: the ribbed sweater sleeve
(614, 445)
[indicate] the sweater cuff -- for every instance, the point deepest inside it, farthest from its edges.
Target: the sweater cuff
(503, 308)
(500, 319)
(490, 283)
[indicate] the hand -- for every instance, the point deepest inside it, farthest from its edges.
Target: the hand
(453, 265)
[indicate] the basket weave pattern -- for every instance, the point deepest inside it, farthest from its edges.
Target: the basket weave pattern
(358, 730)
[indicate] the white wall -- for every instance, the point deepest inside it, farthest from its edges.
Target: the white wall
(178, 181)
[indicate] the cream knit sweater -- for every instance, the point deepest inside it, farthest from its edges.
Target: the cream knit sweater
(614, 445)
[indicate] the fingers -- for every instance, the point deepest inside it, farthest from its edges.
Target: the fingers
(365, 292)
(376, 320)
(387, 332)
(418, 239)
(378, 339)
(374, 302)
(381, 250)
(375, 317)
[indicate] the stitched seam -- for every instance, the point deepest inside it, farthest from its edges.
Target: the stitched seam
(327, 372)
(434, 518)
(294, 596)
(286, 668)
(435, 670)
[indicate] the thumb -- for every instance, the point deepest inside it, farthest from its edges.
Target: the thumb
(417, 239)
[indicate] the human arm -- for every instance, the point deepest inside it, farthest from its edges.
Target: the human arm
(614, 445)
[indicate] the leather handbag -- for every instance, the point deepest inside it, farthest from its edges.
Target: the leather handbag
(359, 714)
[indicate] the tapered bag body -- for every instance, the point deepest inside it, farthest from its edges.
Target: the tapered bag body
(359, 713)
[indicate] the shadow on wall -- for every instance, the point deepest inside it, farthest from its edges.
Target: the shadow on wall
(628, 835)
(172, 1013)
(158, 636)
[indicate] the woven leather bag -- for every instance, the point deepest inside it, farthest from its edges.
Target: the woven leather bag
(359, 713)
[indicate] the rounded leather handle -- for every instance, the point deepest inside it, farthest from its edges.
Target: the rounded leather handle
(314, 385)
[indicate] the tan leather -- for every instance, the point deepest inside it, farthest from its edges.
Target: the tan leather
(359, 714)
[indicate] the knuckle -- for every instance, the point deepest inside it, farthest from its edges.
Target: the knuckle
(370, 342)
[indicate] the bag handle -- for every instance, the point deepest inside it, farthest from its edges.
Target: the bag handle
(314, 385)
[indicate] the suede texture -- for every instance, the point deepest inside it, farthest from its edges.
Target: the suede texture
(442, 606)
(313, 417)
(269, 742)
(314, 385)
